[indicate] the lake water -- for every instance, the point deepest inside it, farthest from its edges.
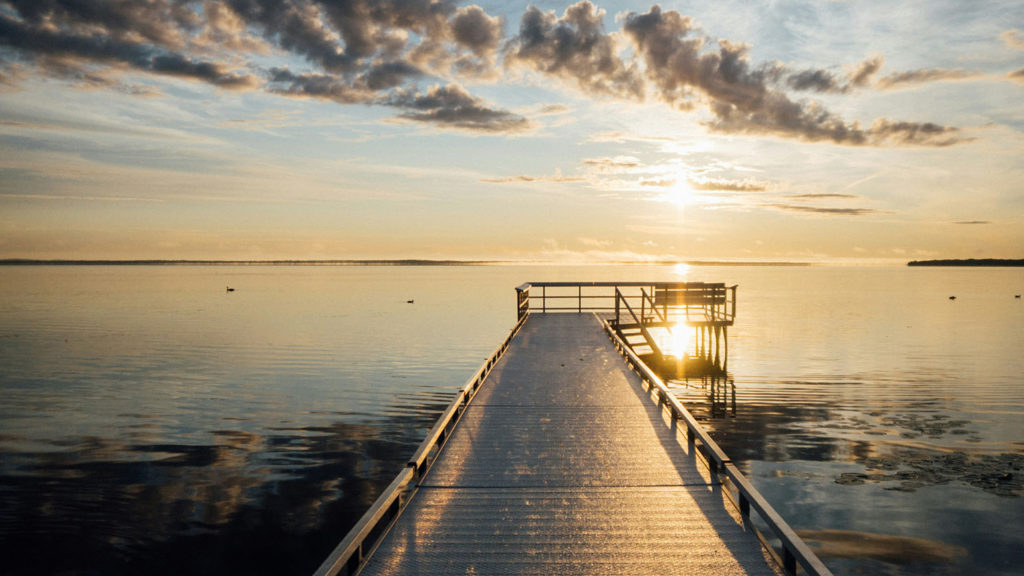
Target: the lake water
(153, 422)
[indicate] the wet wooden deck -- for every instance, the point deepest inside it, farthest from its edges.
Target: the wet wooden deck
(563, 464)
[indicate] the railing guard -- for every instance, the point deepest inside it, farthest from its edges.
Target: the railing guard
(717, 301)
(795, 552)
(352, 551)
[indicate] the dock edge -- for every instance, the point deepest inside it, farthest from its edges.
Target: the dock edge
(795, 552)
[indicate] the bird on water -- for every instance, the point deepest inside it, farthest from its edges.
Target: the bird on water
(952, 297)
(229, 289)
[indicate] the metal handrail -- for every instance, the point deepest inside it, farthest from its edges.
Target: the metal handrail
(646, 297)
(724, 312)
(795, 552)
(640, 323)
(353, 550)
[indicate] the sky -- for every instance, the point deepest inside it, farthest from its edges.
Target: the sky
(787, 130)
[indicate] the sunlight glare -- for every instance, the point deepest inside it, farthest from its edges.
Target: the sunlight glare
(681, 269)
(680, 193)
(677, 342)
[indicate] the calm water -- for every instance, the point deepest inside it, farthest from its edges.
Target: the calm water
(153, 422)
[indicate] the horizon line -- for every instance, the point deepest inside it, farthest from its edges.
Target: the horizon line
(372, 262)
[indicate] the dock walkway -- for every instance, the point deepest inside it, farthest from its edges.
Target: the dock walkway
(563, 464)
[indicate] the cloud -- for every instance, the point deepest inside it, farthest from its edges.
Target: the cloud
(525, 178)
(741, 96)
(1017, 75)
(345, 37)
(973, 222)
(451, 106)
(66, 52)
(913, 77)
(825, 211)
(825, 81)
(817, 80)
(556, 177)
(865, 75)
(383, 52)
(553, 110)
(574, 47)
(359, 51)
(321, 86)
(475, 30)
(611, 165)
(11, 75)
(657, 182)
(619, 137)
(223, 29)
(865, 71)
(913, 133)
(821, 196)
(724, 185)
(1014, 39)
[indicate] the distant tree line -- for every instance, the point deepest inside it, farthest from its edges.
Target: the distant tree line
(969, 262)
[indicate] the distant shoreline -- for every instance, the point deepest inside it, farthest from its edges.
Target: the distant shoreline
(968, 262)
(407, 262)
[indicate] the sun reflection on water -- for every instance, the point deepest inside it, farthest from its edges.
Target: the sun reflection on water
(675, 341)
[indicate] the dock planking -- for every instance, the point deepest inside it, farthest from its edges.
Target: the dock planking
(562, 464)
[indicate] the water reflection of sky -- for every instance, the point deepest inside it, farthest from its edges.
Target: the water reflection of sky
(153, 422)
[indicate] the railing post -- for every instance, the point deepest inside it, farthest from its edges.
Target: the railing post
(617, 323)
(643, 305)
(788, 560)
(579, 299)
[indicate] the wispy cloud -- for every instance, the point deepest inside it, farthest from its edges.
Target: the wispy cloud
(916, 77)
(726, 185)
(824, 210)
(820, 80)
(866, 75)
(1014, 39)
(556, 177)
(657, 182)
(822, 196)
(973, 222)
(617, 164)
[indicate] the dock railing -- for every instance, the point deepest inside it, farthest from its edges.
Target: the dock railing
(350, 554)
(788, 549)
(695, 303)
(782, 542)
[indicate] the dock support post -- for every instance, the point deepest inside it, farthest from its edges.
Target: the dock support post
(718, 334)
(725, 339)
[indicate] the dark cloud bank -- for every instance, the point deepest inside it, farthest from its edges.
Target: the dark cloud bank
(411, 54)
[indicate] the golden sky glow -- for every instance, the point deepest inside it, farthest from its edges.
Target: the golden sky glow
(253, 129)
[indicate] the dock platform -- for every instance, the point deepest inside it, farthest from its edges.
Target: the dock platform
(565, 460)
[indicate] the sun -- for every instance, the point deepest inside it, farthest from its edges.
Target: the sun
(680, 193)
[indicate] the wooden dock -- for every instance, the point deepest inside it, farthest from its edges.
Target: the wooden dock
(569, 457)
